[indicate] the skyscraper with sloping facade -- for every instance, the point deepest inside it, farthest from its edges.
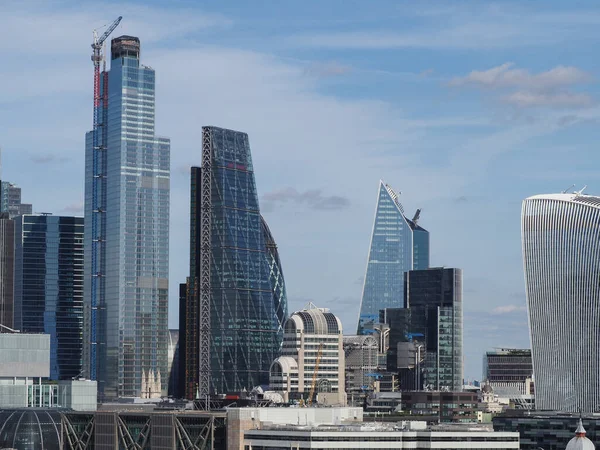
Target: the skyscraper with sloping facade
(398, 244)
(234, 300)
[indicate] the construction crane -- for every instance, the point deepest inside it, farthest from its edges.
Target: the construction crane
(98, 188)
(313, 385)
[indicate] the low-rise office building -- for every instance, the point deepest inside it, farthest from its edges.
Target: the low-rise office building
(455, 407)
(376, 435)
(549, 430)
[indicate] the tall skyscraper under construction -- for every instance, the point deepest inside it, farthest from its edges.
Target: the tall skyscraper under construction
(127, 189)
(234, 302)
(398, 244)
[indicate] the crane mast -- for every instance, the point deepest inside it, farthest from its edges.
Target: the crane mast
(98, 225)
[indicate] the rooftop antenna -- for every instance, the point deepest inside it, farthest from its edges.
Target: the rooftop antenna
(566, 191)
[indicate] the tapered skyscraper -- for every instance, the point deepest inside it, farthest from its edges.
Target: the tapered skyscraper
(561, 253)
(398, 245)
(234, 303)
(127, 233)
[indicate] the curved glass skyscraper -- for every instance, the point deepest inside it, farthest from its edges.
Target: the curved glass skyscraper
(398, 245)
(561, 253)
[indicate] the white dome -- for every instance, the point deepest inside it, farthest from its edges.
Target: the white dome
(580, 442)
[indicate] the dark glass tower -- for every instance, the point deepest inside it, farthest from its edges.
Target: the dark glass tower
(127, 194)
(434, 298)
(235, 300)
(49, 287)
(398, 244)
(7, 270)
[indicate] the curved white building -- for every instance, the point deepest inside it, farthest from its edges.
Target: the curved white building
(304, 333)
(561, 253)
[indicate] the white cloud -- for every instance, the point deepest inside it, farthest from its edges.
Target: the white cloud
(525, 99)
(506, 76)
(509, 309)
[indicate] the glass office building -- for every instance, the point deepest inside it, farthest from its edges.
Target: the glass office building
(561, 254)
(7, 270)
(434, 297)
(234, 271)
(127, 232)
(49, 287)
(398, 245)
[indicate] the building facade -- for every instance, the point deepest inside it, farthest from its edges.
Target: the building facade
(561, 254)
(127, 232)
(49, 287)
(447, 406)
(507, 365)
(10, 200)
(7, 270)
(361, 356)
(434, 298)
(376, 436)
(313, 349)
(398, 245)
(547, 430)
(235, 301)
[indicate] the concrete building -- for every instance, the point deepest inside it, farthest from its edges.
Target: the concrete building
(361, 355)
(310, 335)
(24, 372)
(241, 420)
(10, 200)
(377, 435)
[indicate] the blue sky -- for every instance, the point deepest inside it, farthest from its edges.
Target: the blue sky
(465, 107)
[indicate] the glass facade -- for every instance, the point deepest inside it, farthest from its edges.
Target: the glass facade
(507, 365)
(561, 252)
(7, 270)
(434, 297)
(245, 328)
(49, 287)
(247, 294)
(398, 245)
(127, 276)
(276, 277)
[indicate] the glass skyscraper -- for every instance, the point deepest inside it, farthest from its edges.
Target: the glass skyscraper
(127, 263)
(49, 287)
(561, 253)
(235, 302)
(398, 245)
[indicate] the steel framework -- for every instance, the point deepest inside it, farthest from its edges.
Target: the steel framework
(99, 135)
(186, 431)
(205, 260)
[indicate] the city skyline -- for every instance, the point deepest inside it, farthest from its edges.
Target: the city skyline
(456, 121)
